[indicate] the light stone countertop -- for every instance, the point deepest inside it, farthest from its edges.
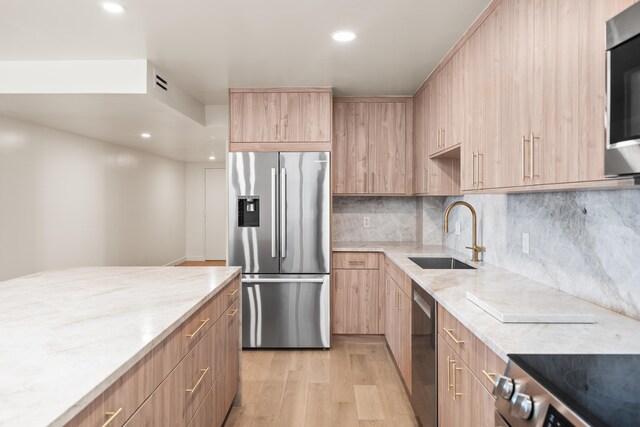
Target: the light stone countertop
(67, 335)
(612, 333)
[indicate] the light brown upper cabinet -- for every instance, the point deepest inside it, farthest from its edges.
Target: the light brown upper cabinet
(280, 115)
(372, 145)
(524, 94)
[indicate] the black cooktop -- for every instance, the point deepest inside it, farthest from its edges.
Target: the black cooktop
(602, 389)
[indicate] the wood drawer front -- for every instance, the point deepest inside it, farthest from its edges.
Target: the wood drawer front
(231, 367)
(484, 363)
(172, 404)
(120, 400)
(355, 260)
(212, 412)
(461, 340)
(398, 276)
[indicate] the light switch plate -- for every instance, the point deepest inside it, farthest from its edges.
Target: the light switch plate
(457, 228)
(366, 222)
(525, 243)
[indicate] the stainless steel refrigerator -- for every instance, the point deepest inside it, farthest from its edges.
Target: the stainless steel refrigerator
(279, 233)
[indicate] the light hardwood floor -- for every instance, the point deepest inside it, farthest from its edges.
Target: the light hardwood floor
(353, 384)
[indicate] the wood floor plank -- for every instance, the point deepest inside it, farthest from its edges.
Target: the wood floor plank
(318, 411)
(368, 404)
(354, 384)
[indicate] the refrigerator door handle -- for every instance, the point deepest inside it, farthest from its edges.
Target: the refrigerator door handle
(274, 217)
(283, 213)
(275, 280)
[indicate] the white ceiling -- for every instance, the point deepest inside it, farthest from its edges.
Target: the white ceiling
(208, 46)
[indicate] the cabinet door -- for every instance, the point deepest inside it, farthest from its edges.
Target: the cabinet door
(456, 397)
(355, 302)
(403, 325)
(513, 154)
(390, 332)
(305, 116)
(473, 96)
(570, 88)
(420, 130)
(255, 117)
(231, 373)
(350, 149)
(387, 142)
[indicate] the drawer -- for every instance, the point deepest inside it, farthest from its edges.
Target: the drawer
(211, 413)
(180, 395)
(484, 363)
(120, 400)
(398, 276)
(355, 260)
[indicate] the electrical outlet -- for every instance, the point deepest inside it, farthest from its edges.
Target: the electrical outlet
(457, 228)
(525, 243)
(366, 222)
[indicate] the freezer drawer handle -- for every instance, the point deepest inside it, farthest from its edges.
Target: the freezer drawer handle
(274, 280)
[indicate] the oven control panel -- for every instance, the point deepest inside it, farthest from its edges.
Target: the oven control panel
(555, 419)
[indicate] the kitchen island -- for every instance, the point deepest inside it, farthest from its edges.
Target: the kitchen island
(87, 346)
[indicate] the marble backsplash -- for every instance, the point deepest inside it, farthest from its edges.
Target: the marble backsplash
(584, 243)
(392, 219)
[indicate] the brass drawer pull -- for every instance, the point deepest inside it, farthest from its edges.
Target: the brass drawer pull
(112, 416)
(204, 372)
(449, 361)
(232, 314)
(235, 291)
(356, 262)
(450, 333)
(491, 376)
(202, 323)
(455, 386)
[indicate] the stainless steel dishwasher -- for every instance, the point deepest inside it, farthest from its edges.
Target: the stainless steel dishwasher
(424, 357)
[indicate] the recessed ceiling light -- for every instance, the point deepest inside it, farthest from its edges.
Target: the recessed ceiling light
(112, 7)
(344, 36)
(145, 135)
(212, 157)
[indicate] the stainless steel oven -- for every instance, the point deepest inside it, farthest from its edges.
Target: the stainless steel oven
(622, 155)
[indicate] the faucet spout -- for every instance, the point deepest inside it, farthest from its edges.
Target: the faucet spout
(474, 247)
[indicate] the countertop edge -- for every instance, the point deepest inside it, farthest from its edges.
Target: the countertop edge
(74, 410)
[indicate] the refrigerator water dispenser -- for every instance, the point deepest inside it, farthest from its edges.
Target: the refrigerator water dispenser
(248, 211)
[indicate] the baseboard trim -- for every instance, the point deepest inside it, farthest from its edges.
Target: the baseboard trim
(195, 258)
(176, 262)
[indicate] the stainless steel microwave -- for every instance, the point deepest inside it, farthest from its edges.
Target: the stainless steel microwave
(622, 154)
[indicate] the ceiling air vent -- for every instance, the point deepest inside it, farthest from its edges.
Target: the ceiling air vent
(161, 83)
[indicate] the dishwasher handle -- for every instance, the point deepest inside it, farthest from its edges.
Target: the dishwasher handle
(425, 306)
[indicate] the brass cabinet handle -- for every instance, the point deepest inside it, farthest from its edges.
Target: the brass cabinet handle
(473, 169)
(235, 291)
(202, 323)
(480, 168)
(443, 140)
(524, 163)
(490, 375)
(232, 314)
(533, 161)
(356, 262)
(455, 385)
(449, 361)
(437, 139)
(193, 389)
(453, 337)
(112, 416)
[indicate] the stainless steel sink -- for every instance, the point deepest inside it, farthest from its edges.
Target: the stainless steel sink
(440, 263)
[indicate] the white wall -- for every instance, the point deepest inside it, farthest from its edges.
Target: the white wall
(196, 231)
(68, 201)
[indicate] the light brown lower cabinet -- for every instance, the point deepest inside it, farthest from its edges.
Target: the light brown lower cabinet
(189, 379)
(462, 400)
(357, 305)
(398, 327)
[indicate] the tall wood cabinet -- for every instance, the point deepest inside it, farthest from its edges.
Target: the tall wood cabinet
(372, 146)
(280, 115)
